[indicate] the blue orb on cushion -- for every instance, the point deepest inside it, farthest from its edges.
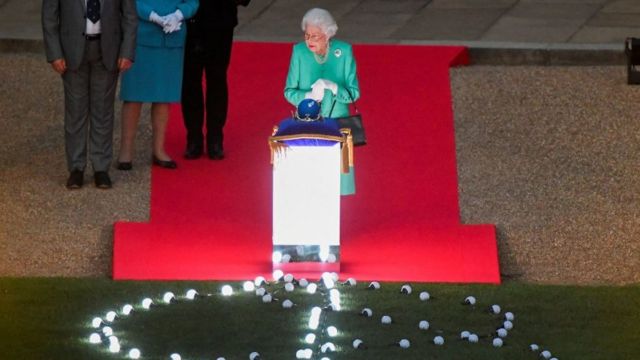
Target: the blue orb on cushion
(308, 110)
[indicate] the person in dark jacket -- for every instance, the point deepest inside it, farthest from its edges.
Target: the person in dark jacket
(208, 51)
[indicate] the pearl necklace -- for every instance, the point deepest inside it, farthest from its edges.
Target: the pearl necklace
(321, 59)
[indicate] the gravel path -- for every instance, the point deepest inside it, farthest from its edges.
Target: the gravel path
(548, 154)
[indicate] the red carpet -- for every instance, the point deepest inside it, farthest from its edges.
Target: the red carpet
(212, 219)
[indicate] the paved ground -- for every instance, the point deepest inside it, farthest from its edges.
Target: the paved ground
(497, 31)
(549, 154)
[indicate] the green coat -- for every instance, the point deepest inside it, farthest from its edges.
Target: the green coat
(340, 67)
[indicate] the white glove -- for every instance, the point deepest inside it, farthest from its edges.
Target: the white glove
(157, 19)
(329, 85)
(173, 22)
(316, 93)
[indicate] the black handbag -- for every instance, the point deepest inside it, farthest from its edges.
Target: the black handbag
(353, 122)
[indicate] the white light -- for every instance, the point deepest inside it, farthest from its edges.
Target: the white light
(113, 340)
(473, 338)
(276, 257)
(114, 347)
(127, 309)
(546, 354)
(289, 287)
(134, 353)
(288, 278)
(303, 282)
(331, 258)
(304, 354)
(324, 253)
(277, 275)
(502, 332)
(497, 342)
(470, 300)
(507, 325)
(366, 312)
(326, 347)
(465, 334)
(111, 315)
(300, 354)
(334, 276)
(350, 282)
(534, 347)
(167, 297)
(310, 338)
(374, 285)
(95, 338)
(327, 279)
(248, 286)
(227, 290)
(553, 358)
(260, 291)
(267, 298)
(423, 325)
(332, 331)
(146, 303)
(334, 296)
(286, 258)
(311, 288)
(259, 280)
(386, 319)
(287, 304)
(509, 316)
(404, 343)
(357, 344)
(314, 319)
(175, 356)
(424, 296)
(495, 309)
(96, 322)
(406, 289)
(107, 331)
(191, 294)
(438, 340)
(221, 358)
(254, 356)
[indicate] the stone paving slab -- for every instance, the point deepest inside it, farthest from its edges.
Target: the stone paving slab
(513, 30)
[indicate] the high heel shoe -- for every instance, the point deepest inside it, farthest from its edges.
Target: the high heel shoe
(167, 164)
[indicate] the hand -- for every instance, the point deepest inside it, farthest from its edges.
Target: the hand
(124, 64)
(174, 22)
(316, 93)
(157, 19)
(329, 85)
(59, 66)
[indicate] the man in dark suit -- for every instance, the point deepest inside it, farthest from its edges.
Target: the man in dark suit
(208, 49)
(88, 42)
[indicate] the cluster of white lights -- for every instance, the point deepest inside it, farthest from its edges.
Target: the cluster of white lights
(319, 334)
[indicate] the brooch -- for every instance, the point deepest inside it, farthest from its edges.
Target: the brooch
(337, 52)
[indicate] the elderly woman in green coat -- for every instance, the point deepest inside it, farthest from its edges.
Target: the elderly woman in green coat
(156, 76)
(324, 69)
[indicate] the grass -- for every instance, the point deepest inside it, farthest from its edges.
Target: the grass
(50, 318)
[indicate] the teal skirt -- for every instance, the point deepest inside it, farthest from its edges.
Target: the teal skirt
(156, 76)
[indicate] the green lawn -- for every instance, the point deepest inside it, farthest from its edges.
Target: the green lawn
(50, 318)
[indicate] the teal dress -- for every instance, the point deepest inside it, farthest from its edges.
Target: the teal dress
(339, 66)
(156, 75)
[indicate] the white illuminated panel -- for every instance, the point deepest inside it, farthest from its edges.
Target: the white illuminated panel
(306, 196)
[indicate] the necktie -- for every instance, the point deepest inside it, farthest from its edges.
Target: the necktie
(93, 10)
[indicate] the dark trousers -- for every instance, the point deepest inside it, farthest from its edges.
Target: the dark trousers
(209, 53)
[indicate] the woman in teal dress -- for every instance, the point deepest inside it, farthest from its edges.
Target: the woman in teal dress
(324, 69)
(156, 76)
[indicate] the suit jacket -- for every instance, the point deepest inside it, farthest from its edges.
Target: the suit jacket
(217, 14)
(340, 67)
(64, 24)
(150, 34)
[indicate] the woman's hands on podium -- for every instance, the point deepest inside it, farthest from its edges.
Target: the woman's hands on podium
(318, 88)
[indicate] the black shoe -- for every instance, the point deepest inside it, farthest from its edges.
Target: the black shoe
(124, 166)
(215, 151)
(76, 180)
(193, 151)
(167, 164)
(102, 180)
